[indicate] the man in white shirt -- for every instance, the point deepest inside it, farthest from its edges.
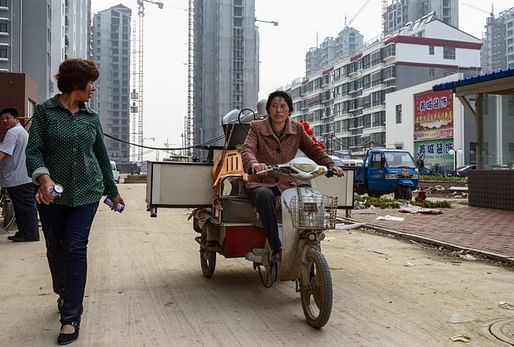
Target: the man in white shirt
(14, 177)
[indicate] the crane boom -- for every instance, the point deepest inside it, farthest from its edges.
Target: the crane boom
(356, 13)
(476, 8)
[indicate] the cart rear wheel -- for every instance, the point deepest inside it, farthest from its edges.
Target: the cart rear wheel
(208, 262)
(316, 291)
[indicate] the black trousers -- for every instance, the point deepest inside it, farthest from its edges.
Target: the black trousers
(264, 200)
(25, 211)
(66, 231)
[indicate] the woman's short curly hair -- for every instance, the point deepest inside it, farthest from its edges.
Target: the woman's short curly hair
(75, 74)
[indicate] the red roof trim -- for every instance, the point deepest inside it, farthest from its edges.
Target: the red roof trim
(410, 63)
(433, 42)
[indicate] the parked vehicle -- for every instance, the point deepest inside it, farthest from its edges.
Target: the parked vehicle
(463, 171)
(386, 170)
(425, 171)
(115, 172)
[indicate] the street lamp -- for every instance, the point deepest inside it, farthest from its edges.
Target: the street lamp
(455, 153)
(275, 23)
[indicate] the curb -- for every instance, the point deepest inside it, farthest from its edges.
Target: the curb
(427, 240)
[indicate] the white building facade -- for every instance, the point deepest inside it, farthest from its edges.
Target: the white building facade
(346, 103)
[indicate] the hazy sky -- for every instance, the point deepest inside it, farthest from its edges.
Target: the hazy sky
(282, 48)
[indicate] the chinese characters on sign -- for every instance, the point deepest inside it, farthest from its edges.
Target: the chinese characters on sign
(433, 127)
(433, 115)
(435, 151)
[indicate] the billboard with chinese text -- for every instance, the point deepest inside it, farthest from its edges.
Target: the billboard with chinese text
(435, 152)
(433, 115)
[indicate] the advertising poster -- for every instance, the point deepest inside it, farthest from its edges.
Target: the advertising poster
(433, 115)
(435, 152)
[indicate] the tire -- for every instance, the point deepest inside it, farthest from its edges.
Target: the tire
(207, 262)
(316, 291)
(404, 193)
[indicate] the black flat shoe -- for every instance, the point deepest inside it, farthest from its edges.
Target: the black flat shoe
(64, 339)
(21, 239)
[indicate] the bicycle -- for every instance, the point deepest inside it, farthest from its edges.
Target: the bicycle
(6, 209)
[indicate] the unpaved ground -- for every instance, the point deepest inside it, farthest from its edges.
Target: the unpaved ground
(145, 289)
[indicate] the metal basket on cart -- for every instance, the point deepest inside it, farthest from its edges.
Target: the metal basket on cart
(313, 212)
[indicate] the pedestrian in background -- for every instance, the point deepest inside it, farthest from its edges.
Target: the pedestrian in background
(14, 177)
(66, 147)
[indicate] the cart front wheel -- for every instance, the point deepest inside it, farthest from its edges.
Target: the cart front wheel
(208, 262)
(316, 290)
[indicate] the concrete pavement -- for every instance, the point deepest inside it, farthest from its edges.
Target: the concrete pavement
(489, 232)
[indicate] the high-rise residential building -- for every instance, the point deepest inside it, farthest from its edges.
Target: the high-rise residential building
(345, 102)
(226, 64)
(400, 12)
(498, 48)
(36, 35)
(111, 52)
(347, 42)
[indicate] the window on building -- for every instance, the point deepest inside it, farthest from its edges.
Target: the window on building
(449, 52)
(3, 3)
(431, 71)
(398, 114)
(389, 51)
(4, 52)
(376, 58)
(431, 50)
(4, 25)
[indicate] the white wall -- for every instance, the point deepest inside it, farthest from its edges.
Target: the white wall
(437, 29)
(419, 54)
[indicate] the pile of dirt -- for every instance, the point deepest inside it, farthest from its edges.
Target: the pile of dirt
(442, 189)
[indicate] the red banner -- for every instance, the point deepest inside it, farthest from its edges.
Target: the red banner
(433, 115)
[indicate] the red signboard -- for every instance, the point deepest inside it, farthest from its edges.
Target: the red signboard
(433, 115)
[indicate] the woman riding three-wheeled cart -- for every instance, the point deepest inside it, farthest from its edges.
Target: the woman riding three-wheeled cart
(233, 228)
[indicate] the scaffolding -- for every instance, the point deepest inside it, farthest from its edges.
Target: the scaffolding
(137, 99)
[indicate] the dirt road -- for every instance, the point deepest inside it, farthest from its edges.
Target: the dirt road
(145, 289)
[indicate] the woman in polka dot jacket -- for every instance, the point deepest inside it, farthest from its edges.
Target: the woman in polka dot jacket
(66, 147)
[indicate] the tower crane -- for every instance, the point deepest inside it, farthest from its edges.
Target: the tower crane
(356, 14)
(139, 94)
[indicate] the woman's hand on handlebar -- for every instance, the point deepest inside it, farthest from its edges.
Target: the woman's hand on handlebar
(259, 168)
(335, 170)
